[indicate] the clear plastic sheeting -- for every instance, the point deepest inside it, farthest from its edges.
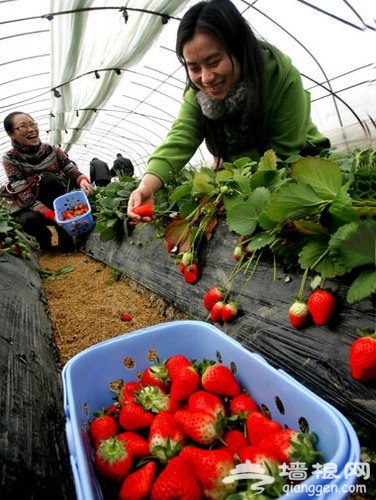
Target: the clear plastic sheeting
(101, 76)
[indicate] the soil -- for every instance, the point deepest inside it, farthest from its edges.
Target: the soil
(87, 300)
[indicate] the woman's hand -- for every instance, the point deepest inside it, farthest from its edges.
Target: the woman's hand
(143, 195)
(86, 186)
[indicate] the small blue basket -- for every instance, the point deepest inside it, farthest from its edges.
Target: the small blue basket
(78, 225)
(87, 377)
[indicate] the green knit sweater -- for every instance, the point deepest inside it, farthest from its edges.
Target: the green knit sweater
(287, 125)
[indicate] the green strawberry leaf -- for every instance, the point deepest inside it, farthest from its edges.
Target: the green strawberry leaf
(323, 175)
(203, 183)
(362, 287)
(295, 201)
(243, 217)
(260, 240)
(314, 255)
(181, 192)
(268, 161)
(354, 244)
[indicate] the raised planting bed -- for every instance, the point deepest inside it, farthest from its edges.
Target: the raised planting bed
(318, 357)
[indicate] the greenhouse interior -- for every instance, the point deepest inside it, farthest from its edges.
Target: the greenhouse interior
(228, 245)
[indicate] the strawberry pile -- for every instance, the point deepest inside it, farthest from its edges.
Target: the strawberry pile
(180, 430)
(77, 210)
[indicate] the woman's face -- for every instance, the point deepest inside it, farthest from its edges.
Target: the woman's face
(210, 67)
(25, 131)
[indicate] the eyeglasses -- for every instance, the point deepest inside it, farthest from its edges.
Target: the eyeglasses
(26, 126)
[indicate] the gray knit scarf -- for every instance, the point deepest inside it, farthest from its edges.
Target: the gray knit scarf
(232, 104)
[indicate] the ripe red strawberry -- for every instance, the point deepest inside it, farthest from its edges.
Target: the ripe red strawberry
(135, 443)
(363, 358)
(210, 467)
(191, 273)
(229, 312)
(175, 363)
(157, 375)
(270, 463)
(137, 485)
(218, 379)
(208, 402)
(128, 392)
(298, 313)
(215, 294)
(165, 437)
(133, 417)
(201, 427)
(144, 210)
(242, 405)
(292, 446)
(185, 383)
(101, 427)
(112, 460)
(154, 399)
(321, 305)
(233, 441)
(216, 312)
(176, 481)
(259, 426)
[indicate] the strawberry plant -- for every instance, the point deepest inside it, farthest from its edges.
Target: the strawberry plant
(12, 239)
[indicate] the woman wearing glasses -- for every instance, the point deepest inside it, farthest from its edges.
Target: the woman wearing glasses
(39, 173)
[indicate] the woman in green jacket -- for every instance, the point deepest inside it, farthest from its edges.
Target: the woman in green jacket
(243, 97)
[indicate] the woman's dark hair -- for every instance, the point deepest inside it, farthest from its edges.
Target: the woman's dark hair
(8, 120)
(222, 20)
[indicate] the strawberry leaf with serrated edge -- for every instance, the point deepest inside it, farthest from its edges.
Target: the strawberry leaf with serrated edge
(354, 245)
(324, 176)
(362, 287)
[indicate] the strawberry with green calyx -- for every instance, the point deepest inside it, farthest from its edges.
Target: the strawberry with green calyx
(269, 461)
(135, 443)
(292, 446)
(191, 273)
(101, 427)
(154, 399)
(165, 437)
(321, 305)
(229, 312)
(259, 426)
(138, 484)
(176, 481)
(185, 383)
(133, 417)
(210, 467)
(298, 313)
(242, 405)
(218, 379)
(206, 401)
(214, 295)
(157, 375)
(128, 392)
(216, 312)
(363, 356)
(201, 427)
(112, 460)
